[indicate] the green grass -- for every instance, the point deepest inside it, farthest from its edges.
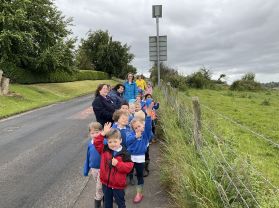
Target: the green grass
(247, 109)
(257, 111)
(27, 97)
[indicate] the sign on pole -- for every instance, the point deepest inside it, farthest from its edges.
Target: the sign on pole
(153, 48)
(156, 11)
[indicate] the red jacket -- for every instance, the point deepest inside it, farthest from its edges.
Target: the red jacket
(113, 176)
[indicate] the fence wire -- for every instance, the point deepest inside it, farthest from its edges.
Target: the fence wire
(241, 190)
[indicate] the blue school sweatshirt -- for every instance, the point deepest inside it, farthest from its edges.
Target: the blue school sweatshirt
(92, 159)
(139, 146)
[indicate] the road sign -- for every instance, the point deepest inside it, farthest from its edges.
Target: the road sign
(162, 48)
(156, 11)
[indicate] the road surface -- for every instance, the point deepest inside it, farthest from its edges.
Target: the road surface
(42, 154)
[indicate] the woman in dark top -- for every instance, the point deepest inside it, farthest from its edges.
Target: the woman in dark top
(103, 106)
(116, 94)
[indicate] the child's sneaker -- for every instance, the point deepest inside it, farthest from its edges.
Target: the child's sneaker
(138, 198)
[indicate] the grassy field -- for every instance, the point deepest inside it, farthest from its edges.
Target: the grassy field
(193, 183)
(27, 97)
(258, 111)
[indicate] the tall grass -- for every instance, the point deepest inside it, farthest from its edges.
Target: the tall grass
(218, 175)
(183, 173)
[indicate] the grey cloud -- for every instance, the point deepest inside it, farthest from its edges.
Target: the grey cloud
(227, 36)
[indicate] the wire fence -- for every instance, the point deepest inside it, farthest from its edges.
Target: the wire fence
(238, 123)
(233, 177)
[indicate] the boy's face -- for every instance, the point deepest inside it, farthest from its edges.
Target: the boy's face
(138, 126)
(125, 108)
(123, 120)
(148, 96)
(94, 133)
(138, 98)
(114, 143)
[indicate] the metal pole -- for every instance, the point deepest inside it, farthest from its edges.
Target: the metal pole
(158, 51)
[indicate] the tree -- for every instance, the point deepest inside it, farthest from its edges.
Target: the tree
(101, 53)
(33, 37)
(248, 76)
(221, 76)
(205, 73)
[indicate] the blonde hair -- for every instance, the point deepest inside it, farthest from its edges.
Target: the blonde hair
(95, 125)
(140, 115)
(137, 104)
(116, 115)
(131, 105)
(113, 134)
(136, 119)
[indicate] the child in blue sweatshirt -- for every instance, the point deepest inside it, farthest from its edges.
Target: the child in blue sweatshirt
(92, 162)
(121, 122)
(137, 145)
(121, 118)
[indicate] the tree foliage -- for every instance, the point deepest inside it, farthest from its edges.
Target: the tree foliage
(168, 74)
(101, 53)
(248, 77)
(33, 37)
(247, 82)
(200, 79)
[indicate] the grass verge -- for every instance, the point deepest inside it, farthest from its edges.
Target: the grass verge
(27, 97)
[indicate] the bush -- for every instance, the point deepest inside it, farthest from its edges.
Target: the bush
(91, 75)
(169, 75)
(249, 85)
(21, 76)
(247, 82)
(197, 80)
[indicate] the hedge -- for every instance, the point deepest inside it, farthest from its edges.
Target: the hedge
(21, 76)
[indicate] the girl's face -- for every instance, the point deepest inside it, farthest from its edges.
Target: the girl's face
(138, 98)
(114, 143)
(132, 109)
(138, 126)
(125, 108)
(137, 107)
(93, 133)
(123, 120)
(104, 91)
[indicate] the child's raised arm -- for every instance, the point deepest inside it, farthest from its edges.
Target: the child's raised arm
(99, 140)
(148, 121)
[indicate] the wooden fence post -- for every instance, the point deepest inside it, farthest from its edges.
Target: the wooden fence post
(197, 123)
(5, 85)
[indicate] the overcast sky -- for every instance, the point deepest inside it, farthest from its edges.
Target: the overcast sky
(226, 36)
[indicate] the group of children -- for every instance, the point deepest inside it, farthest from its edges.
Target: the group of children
(117, 150)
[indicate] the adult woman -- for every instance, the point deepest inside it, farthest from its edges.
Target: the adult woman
(131, 89)
(116, 94)
(103, 106)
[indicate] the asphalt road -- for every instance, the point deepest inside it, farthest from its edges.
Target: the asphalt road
(42, 154)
